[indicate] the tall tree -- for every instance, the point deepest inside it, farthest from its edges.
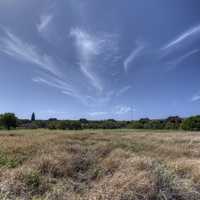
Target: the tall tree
(9, 120)
(33, 117)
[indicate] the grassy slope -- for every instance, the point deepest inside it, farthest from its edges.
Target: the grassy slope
(103, 164)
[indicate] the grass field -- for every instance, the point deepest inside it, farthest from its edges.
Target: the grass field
(99, 165)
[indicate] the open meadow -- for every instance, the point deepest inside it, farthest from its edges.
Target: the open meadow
(99, 165)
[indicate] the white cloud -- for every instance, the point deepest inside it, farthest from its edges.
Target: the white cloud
(134, 54)
(68, 89)
(45, 20)
(64, 88)
(96, 101)
(15, 47)
(188, 35)
(195, 98)
(52, 112)
(123, 90)
(88, 48)
(179, 60)
(94, 114)
(54, 82)
(121, 110)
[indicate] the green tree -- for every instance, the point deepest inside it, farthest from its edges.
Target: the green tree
(33, 117)
(62, 125)
(136, 125)
(172, 126)
(9, 120)
(52, 125)
(191, 124)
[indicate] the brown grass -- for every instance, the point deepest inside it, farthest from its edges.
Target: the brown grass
(99, 165)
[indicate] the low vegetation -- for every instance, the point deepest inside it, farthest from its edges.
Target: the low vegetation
(9, 121)
(99, 164)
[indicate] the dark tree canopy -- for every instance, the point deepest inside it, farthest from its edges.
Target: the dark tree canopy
(9, 120)
(33, 117)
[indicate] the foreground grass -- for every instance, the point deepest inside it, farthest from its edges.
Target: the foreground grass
(99, 165)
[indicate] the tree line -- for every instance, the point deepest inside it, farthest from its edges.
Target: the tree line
(10, 121)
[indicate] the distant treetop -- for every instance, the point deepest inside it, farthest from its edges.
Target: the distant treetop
(33, 117)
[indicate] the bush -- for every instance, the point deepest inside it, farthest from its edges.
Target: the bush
(156, 124)
(8, 120)
(32, 125)
(32, 179)
(62, 125)
(172, 126)
(74, 125)
(52, 125)
(65, 125)
(191, 124)
(136, 125)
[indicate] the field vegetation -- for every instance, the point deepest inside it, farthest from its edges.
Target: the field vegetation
(99, 165)
(10, 121)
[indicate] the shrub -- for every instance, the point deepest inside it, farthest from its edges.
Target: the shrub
(136, 125)
(32, 180)
(32, 125)
(9, 120)
(191, 124)
(52, 125)
(167, 185)
(74, 125)
(5, 161)
(62, 125)
(156, 124)
(172, 126)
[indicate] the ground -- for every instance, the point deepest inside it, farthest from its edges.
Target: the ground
(99, 165)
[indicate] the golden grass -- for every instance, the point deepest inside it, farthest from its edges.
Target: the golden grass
(99, 165)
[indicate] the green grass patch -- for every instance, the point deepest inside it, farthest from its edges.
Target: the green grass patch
(129, 146)
(6, 161)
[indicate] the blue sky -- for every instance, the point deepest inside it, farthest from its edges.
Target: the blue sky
(100, 59)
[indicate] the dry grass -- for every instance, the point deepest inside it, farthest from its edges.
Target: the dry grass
(99, 165)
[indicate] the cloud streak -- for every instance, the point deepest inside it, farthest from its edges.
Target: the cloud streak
(15, 47)
(45, 20)
(123, 90)
(88, 48)
(195, 98)
(69, 90)
(100, 113)
(184, 37)
(62, 86)
(182, 58)
(121, 110)
(54, 82)
(134, 54)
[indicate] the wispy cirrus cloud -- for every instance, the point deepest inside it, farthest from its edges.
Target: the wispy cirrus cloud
(68, 89)
(174, 63)
(55, 82)
(13, 46)
(187, 36)
(63, 87)
(133, 55)
(196, 97)
(121, 110)
(88, 48)
(123, 90)
(45, 20)
(52, 112)
(100, 113)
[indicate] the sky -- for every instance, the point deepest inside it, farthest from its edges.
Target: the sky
(100, 59)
